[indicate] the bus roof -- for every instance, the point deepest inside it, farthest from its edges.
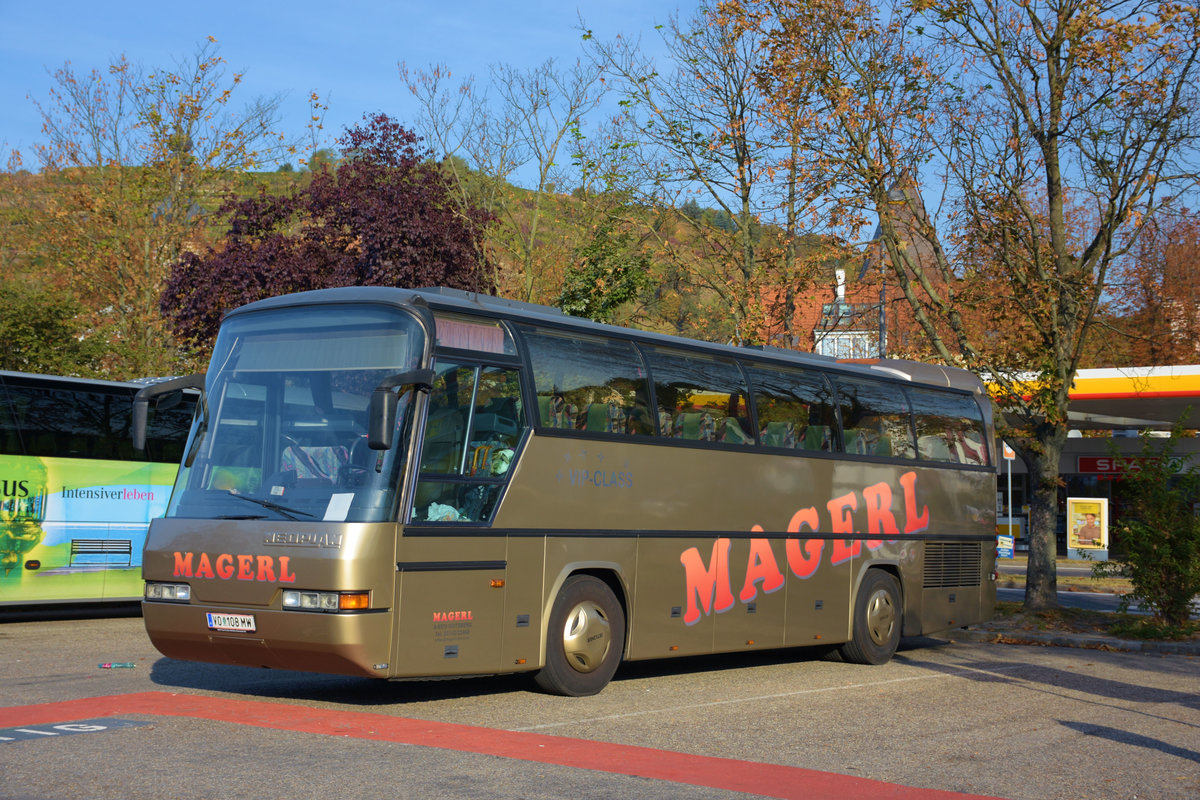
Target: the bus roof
(456, 300)
(65, 379)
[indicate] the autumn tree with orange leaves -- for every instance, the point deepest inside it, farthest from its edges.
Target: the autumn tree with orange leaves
(1058, 127)
(1157, 293)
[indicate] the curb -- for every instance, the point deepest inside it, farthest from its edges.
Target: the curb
(1081, 641)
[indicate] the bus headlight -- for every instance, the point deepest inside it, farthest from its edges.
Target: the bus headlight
(169, 592)
(301, 600)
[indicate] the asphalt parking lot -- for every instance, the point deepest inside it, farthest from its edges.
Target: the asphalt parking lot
(944, 717)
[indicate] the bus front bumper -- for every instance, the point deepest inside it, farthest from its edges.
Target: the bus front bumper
(337, 643)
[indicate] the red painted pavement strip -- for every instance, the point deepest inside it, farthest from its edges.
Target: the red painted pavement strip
(772, 780)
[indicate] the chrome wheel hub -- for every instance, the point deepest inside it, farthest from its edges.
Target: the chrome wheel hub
(587, 636)
(881, 617)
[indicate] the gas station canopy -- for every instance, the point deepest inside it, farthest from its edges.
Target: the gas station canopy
(1135, 397)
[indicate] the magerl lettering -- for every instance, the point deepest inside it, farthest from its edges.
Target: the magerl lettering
(228, 566)
(709, 587)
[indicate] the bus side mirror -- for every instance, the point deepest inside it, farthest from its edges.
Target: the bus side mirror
(381, 420)
(141, 402)
(384, 404)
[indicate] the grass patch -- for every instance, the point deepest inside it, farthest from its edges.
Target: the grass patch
(1013, 616)
(1143, 628)
(1068, 583)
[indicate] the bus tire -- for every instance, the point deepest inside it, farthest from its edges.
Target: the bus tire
(585, 638)
(877, 620)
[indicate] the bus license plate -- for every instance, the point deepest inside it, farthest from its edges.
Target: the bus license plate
(231, 622)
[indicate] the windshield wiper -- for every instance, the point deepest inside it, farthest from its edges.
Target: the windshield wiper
(284, 510)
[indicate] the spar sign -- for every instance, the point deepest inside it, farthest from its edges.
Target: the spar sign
(1121, 465)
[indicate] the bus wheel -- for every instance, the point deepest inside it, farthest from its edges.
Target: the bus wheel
(876, 620)
(585, 640)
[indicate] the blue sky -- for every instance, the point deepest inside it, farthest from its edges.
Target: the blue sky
(347, 52)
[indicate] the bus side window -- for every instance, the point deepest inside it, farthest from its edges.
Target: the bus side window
(795, 408)
(586, 384)
(700, 398)
(949, 428)
(876, 419)
(10, 434)
(474, 424)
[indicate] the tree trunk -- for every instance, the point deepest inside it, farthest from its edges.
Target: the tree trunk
(1041, 578)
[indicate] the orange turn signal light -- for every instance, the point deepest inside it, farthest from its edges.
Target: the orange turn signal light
(354, 601)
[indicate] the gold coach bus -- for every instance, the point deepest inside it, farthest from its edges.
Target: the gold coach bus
(397, 483)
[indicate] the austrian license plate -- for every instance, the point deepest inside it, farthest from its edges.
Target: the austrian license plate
(231, 622)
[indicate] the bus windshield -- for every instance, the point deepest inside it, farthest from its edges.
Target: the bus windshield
(284, 431)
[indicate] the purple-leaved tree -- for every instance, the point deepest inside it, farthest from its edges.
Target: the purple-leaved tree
(380, 217)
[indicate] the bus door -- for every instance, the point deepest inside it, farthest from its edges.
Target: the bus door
(451, 567)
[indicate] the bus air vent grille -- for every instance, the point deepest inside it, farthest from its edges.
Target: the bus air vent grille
(950, 564)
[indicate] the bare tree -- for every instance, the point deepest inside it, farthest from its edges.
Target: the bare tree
(521, 129)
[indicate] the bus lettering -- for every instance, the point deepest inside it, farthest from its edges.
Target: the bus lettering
(264, 569)
(600, 479)
(803, 564)
(708, 587)
(760, 567)
(880, 518)
(842, 522)
(915, 522)
(183, 564)
(284, 575)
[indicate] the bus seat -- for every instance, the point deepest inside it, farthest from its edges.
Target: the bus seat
(778, 434)
(816, 437)
(554, 412)
(596, 417)
(734, 432)
(687, 426)
(320, 462)
(481, 456)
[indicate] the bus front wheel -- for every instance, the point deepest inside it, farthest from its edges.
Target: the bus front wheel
(877, 620)
(585, 639)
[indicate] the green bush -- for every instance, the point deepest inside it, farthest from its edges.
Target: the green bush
(42, 332)
(1159, 533)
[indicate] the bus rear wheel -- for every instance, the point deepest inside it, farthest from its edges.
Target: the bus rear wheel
(877, 620)
(585, 639)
